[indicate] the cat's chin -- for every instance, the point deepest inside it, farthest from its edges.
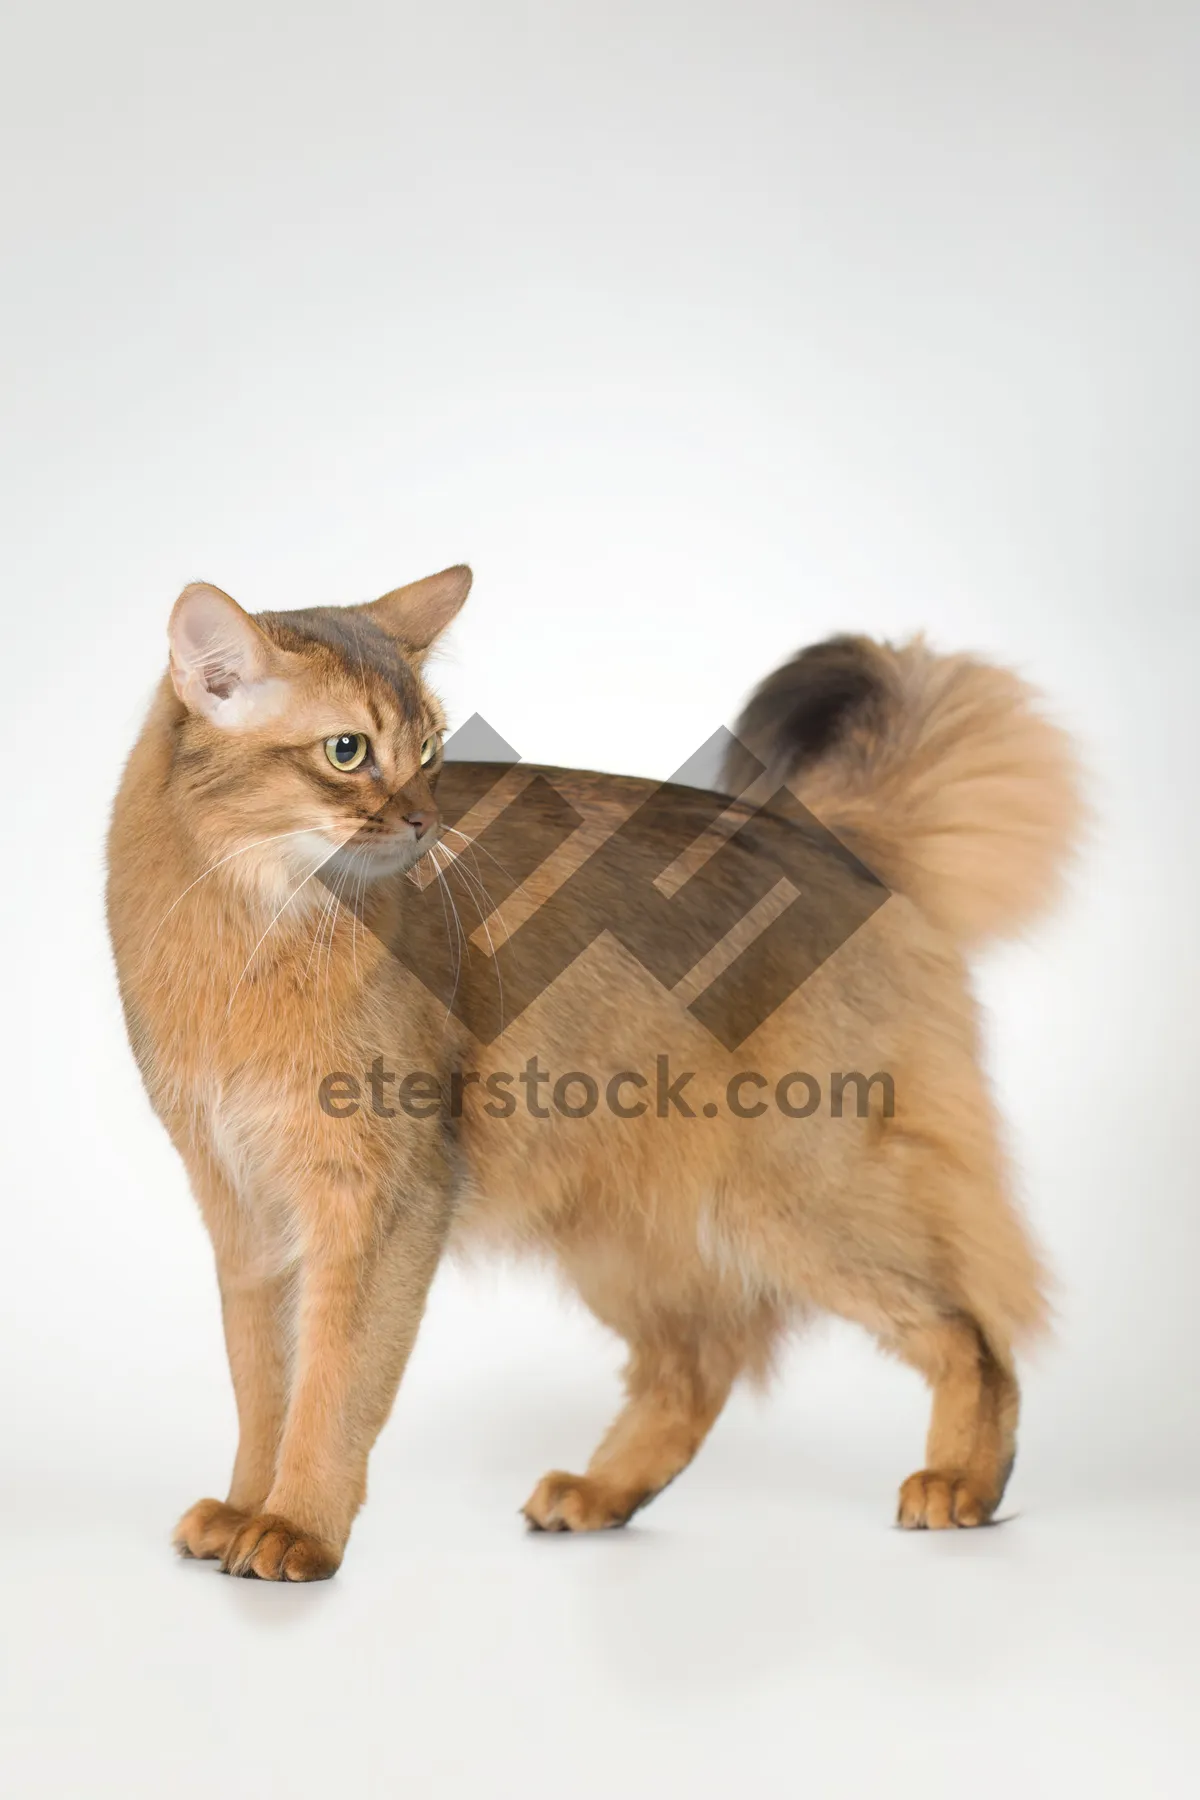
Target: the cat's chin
(378, 861)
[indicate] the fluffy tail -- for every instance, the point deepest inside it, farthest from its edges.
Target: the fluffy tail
(940, 772)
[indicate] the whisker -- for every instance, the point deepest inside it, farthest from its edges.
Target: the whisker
(455, 864)
(221, 860)
(333, 925)
(450, 944)
(475, 882)
(462, 941)
(266, 934)
(355, 914)
(319, 928)
(453, 831)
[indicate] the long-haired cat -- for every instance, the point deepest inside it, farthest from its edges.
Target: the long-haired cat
(289, 907)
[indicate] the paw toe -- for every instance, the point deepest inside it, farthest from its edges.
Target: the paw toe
(939, 1500)
(270, 1548)
(207, 1529)
(562, 1502)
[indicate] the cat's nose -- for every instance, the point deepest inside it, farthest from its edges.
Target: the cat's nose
(421, 820)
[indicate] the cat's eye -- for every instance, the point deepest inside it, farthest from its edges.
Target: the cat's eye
(349, 751)
(430, 747)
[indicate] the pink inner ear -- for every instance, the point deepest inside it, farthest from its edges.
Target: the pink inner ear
(220, 681)
(220, 661)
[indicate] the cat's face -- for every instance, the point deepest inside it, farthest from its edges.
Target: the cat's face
(307, 742)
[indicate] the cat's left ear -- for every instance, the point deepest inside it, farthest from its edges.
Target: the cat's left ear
(418, 614)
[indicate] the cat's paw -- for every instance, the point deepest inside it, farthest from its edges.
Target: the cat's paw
(271, 1548)
(938, 1500)
(207, 1529)
(563, 1502)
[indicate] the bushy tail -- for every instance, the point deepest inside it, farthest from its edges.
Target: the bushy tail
(940, 772)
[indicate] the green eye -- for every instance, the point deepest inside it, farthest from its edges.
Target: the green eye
(430, 747)
(349, 751)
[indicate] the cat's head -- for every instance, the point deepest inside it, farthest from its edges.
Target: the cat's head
(308, 740)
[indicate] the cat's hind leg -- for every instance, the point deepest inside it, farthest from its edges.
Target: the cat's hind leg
(972, 1430)
(676, 1384)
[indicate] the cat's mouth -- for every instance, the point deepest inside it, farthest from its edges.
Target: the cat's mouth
(374, 854)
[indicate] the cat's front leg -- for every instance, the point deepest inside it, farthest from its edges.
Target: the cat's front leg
(362, 1285)
(256, 1308)
(255, 1313)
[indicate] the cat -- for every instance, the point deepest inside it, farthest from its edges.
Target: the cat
(313, 975)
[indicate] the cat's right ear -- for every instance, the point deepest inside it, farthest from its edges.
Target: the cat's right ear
(418, 614)
(223, 667)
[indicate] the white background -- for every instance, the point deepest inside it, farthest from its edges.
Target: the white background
(701, 330)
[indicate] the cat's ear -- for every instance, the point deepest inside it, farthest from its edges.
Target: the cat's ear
(418, 614)
(222, 665)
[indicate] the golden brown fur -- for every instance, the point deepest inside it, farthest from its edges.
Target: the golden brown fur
(699, 1240)
(960, 793)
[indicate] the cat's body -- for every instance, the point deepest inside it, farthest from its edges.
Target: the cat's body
(700, 1239)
